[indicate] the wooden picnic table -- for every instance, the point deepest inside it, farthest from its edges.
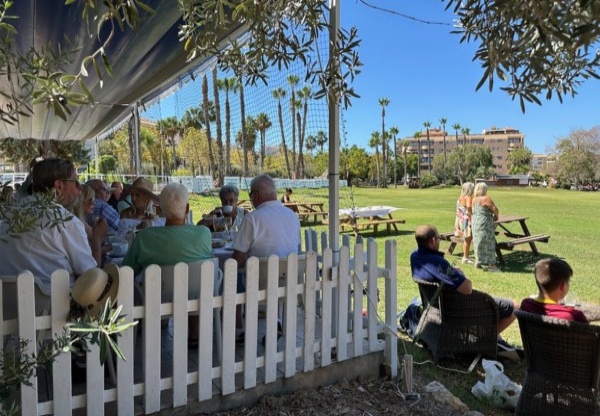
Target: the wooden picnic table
(360, 219)
(307, 209)
(503, 228)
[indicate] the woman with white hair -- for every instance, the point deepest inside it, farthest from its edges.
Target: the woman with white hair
(485, 212)
(462, 223)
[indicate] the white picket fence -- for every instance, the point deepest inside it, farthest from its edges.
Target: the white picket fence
(332, 319)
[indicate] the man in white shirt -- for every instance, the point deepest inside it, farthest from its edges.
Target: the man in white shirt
(47, 248)
(270, 229)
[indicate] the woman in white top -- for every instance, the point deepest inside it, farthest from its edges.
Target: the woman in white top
(228, 194)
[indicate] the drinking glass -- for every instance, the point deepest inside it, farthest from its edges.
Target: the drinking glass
(227, 222)
(571, 299)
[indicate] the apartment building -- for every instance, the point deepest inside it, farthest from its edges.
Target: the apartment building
(501, 141)
(540, 163)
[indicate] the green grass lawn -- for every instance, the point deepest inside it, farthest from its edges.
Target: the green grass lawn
(571, 219)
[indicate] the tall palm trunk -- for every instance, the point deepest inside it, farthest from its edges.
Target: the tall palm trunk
(395, 162)
(220, 164)
(301, 128)
(227, 132)
(283, 144)
(244, 132)
(211, 158)
(293, 111)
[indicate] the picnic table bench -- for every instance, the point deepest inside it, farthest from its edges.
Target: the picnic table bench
(361, 219)
(307, 209)
(516, 238)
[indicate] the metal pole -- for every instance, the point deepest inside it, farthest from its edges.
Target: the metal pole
(334, 140)
(96, 154)
(136, 138)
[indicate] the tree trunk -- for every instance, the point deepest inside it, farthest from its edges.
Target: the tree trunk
(220, 164)
(211, 157)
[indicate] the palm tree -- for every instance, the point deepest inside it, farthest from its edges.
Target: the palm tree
(161, 126)
(321, 138)
(465, 132)
(394, 132)
(240, 88)
(374, 142)
(262, 124)
(206, 106)
(427, 124)
(417, 136)
(443, 122)
(293, 81)
(193, 118)
(220, 161)
(311, 142)
(248, 136)
(456, 128)
(228, 85)
(405, 144)
(304, 95)
(383, 102)
(278, 94)
(168, 129)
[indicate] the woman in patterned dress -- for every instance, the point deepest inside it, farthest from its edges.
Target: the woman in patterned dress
(462, 223)
(485, 213)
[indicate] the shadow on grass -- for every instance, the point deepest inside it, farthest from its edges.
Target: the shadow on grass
(382, 233)
(453, 374)
(521, 261)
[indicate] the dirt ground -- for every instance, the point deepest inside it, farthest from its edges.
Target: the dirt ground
(361, 397)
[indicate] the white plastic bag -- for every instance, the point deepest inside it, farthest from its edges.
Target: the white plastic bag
(497, 388)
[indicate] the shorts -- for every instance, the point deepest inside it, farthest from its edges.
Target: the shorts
(506, 307)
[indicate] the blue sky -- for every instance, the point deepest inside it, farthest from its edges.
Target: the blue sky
(427, 75)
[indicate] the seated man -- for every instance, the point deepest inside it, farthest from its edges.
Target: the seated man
(552, 277)
(175, 242)
(428, 263)
(101, 208)
(47, 248)
(271, 229)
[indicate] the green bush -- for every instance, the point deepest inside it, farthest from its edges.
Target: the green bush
(428, 180)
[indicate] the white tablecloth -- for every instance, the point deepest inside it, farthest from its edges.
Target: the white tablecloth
(223, 253)
(374, 211)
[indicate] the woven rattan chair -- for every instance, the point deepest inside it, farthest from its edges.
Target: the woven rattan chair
(454, 323)
(563, 366)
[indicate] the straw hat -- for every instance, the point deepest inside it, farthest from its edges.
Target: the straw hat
(94, 287)
(145, 186)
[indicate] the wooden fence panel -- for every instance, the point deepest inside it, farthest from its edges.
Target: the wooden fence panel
(343, 302)
(61, 368)
(372, 294)
(251, 361)
(328, 309)
(125, 391)
(358, 277)
(180, 333)
(339, 313)
(271, 318)
(152, 341)
(229, 311)
(27, 328)
(206, 330)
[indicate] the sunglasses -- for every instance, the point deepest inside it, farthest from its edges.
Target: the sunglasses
(75, 181)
